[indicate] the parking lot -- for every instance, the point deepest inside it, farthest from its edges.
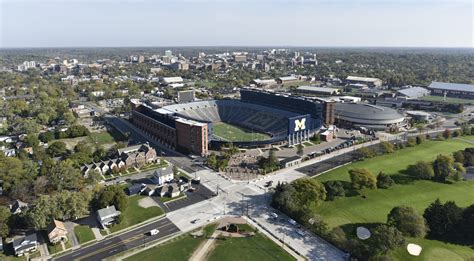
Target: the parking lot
(201, 193)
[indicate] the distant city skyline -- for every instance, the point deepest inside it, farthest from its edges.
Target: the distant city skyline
(336, 23)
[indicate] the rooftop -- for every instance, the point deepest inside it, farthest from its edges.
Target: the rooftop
(452, 86)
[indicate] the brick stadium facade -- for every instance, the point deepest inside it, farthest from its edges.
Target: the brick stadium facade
(180, 134)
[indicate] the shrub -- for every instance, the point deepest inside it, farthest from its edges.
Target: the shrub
(447, 134)
(365, 152)
(362, 178)
(384, 181)
(387, 147)
(411, 142)
(421, 170)
(334, 188)
(407, 221)
(420, 139)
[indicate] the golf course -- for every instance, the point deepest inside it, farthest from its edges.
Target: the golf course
(372, 206)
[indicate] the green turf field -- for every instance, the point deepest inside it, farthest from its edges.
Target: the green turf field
(233, 133)
(346, 212)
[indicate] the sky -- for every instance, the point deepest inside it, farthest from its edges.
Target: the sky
(328, 23)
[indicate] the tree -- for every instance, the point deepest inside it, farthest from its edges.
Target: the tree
(447, 134)
(334, 188)
(456, 133)
(362, 178)
(31, 140)
(443, 167)
(63, 176)
(57, 148)
(4, 218)
(308, 191)
(113, 195)
(458, 156)
(387, 147)
(299, 149)
(459, 170)
(442, 218)
(99, 153)
(385, 238)
(407, 221)
(384, 181)
(365, 153)
(421, 170)
(467, 223)
(420, 139)
(46, 136)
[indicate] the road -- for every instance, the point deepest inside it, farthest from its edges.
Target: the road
(123, 242)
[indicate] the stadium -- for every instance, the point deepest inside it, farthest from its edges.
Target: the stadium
(258, 119)
(368, 116)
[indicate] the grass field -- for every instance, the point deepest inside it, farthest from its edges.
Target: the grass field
(347, 212)
(177, 249)
(448, 99)
(395, 162)
(258, 248)
(135, 214)
(84, 234)
(233, 133)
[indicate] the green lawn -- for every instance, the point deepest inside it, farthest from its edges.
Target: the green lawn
(84, 234)
(257, 247)
(346, 212)
(4, 257)
(393, 163)
(135, 214)
(448, 99)
(101, 137)
(53, 249)
(234, 133)
(177, 249)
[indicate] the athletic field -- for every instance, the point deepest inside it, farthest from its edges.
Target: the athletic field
(233, 133)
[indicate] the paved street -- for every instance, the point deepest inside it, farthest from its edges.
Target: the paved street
(114, 245)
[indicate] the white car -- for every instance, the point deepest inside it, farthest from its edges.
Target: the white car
(274, 215)
(154, 232)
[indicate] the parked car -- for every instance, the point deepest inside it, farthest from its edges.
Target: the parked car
(291, 221)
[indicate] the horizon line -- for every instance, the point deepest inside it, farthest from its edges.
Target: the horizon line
(246, 46)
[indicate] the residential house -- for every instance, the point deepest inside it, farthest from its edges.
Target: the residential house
(163, 175)
(107, 216)
(18, 206)
(173, 191)
(135, 189)
(149, 190)
(22, 245)
(57, 232)
(161, 191)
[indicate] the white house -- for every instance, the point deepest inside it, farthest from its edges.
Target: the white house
(163, 175)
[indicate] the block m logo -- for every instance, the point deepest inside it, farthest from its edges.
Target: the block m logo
(300, 124)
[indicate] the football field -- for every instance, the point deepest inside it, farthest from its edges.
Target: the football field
(233, 133)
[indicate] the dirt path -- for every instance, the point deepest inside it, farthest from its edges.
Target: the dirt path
(204, 249)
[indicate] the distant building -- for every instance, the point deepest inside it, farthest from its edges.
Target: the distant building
(318, 90)
(286, 79)
(240, 58)
(457, 90)
(168, 53)
(370, 82)
(186, 96)
(413, 93)
(135, 189)
(291, 161)
(263, 82)
(26, 65)
(107, 216)
(171, 80)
